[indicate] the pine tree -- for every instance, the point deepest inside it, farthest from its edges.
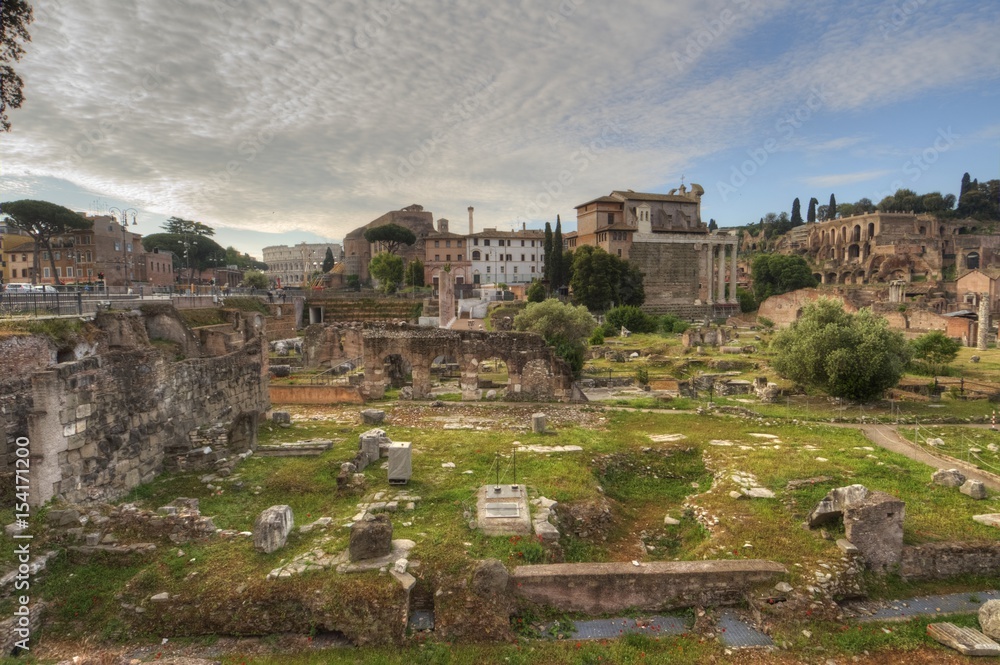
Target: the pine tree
(832, 208)
(713, 225)
(547, 264)
(811, 215)
(796, 213)
(558, 274)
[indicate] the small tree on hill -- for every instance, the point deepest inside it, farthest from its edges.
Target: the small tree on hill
(796, 213)
(831, 210)
(811, 215)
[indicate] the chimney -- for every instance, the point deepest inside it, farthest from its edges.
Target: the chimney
(524, 226)
(470, 221)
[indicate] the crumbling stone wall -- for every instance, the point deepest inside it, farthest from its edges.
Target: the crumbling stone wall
(103, 424)
(331, 344)
(535, 372)
(937, 561)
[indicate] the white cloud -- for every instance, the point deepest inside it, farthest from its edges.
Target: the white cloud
(331, 114)
(840, 179)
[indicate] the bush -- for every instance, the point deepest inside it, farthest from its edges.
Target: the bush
(609, 330)
(642, 376)
(632, 318)
(597, 338)
(746, 299)
(535, 292)
(669, 323)
(765, 322)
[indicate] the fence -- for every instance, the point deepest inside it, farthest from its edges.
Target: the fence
(82, 303)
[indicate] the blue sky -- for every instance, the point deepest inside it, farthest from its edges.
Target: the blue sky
(279, 122)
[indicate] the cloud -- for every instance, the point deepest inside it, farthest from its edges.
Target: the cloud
(839, 179)
(328, 115)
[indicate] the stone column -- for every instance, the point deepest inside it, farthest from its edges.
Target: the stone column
(732, 276)
(711, 268)
(984, 321)
(721, 297)
(421, 380)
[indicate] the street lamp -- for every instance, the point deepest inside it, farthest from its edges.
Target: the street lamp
(188, 244)
(120, 215)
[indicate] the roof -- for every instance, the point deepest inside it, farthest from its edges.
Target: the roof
(992, 273)
(964, 313)
(527, 234)
(601, 199)
(641, 196)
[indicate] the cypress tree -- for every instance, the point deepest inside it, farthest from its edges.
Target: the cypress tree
(558, 275)
(831, 212)
(796, 213)
(966, 184)
(811, 215)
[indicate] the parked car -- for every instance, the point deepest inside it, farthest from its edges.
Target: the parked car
(45, 288)
(18, 287)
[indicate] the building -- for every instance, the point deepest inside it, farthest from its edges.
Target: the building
(358, 252)
(882, 247)
(292, 265)
(509, 257)
(443, 248)
(686, 269)
(158, 268)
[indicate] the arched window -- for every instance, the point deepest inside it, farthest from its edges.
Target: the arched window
(475, 255)
(972, 260)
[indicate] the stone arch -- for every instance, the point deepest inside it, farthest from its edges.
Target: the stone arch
(818, 277)
(856, 233)
(854, 251)
(871, 230)
(831, 278)
(972, 260)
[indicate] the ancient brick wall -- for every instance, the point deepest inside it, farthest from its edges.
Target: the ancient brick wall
(670, 271)
(942, 560)
(101, 425)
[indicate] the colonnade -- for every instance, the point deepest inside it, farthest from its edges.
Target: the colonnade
(716, 272)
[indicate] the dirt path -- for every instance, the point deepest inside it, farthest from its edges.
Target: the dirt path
(889, 438)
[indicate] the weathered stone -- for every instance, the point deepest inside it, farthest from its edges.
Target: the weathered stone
(989, 618)
(875, 527)
(64, 518)
(991, 519)
(967, 641)
(160, 597)
(490, 578)
(948, 477)
(973, 488)
(670, 521)
(372, 416)
(280, 417)
(280, 371)
(759, 493)
(271, 529)
(371, 539)
(370, 443)
(538, 423)
(831, 508)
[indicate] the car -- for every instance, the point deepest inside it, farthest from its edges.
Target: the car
(19, 287)
(45, 288)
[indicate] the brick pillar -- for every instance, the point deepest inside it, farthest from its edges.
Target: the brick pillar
(984, 321)
(711, 268)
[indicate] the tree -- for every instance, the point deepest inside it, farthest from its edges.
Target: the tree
(255, 279)
(713, 225)
(774, 274)
(822, 213)
(558, 278)
(601, 280)
(547, 263)
(328, 261)
(179, 226)
(845, 209)
(43, 221)
(15, 15)
(832, 208)
(535, 292)
(796, 213)
(966, 184)
(202, 252)
(415, 273)
(387, 268)
(747, 302)
(854, 356)
(864, 206)
(936, 349)
(391, 236)
(563, 326)
(632, 318)
(240, 259)
(811, 215)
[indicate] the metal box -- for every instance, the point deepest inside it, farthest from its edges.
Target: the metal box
(400, 462)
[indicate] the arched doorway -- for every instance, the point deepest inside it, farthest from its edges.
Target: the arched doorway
(972, 260)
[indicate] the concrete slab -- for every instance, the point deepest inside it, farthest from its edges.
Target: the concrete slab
(502, 510)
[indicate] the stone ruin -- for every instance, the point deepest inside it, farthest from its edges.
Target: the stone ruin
(704, 336)
(873, 523)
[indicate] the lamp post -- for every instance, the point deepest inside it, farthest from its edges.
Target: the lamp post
(188, 244)
(120, 215)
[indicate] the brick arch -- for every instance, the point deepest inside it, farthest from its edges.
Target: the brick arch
(419, 346)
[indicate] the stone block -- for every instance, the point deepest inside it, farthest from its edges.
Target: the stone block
(281, 417)
(371, 539)
(948, 477)
(831, 508)
(973, 488)
(370, 443)
(538, 423)
(372, 416)
(989, 618)
(490, 578)
(875, 527)
(271, 529)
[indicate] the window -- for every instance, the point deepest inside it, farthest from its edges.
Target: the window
(90, 272)
(437, 243)
(532, 268)
(58, 256)
(45, 256)
(24, 272)
(458, 258)
(459, 245)
(486, 242)
(509, 257)
(24, 257)
(118, 246)
(501, 268)
(522, 257)
(45, 273)
(69, 271)
(532, 257)
(58, 271)
(487, 270)
(475, 241)
(447, 257)
(447, 243)
(437, 257)
(475, 255)
(611, 218)
(619, 253)
(515, 270)
(522, 243)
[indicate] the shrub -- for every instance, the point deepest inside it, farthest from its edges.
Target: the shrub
(597, 338)
(632, 318)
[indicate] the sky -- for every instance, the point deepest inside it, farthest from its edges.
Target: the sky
(280, 121)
